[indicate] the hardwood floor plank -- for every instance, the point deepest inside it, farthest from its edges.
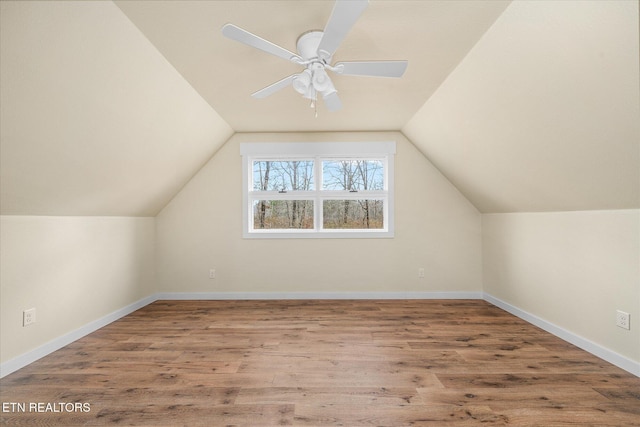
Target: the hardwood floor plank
(570, 416)
(503, 398)
(330, 396)
(323, 363)
(520, 380)
(190, 415)
(138, 396)
(396, 416)
(356, 379)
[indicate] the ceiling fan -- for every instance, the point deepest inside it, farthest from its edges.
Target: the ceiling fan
(315, 52)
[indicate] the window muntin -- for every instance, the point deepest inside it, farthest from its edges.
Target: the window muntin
(348, 187)
(290, 193)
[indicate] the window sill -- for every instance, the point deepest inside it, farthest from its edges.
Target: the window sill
(313, 234)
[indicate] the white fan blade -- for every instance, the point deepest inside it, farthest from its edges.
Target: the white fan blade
(332, 101)
(345, 13)
(372, 68)
(244, 36)
(263, 93)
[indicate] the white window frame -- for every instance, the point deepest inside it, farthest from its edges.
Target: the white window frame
(317, 151)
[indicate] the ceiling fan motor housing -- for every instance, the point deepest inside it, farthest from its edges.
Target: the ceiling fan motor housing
(307, 46)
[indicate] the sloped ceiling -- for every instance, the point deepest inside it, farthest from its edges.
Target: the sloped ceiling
(94, 120)
(109, 109)
(544, 112)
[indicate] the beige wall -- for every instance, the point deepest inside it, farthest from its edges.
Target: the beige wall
(573, 269)
(435, 228)
(73, 270)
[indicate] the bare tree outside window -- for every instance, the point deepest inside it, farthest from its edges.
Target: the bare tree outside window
(361, 214)
(283, 177)
(353, 176)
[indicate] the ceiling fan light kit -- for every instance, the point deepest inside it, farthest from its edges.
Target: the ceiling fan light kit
(302, 82)
(315, 52)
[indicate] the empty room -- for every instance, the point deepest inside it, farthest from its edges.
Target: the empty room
(320, 213)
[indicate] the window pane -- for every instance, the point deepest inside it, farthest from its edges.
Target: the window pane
(353, 175)
(283, 175)
(353, 214)
(282, 214)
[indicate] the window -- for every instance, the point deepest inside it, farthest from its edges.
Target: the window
(297, 190)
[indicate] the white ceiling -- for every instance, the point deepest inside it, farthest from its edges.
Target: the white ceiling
(434, 36)
(110, 108)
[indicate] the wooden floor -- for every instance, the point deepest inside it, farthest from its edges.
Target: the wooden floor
(321, 363)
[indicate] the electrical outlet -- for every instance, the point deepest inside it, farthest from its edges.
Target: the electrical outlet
(622, 320)
(212, 273)
(29, 317)
(421, 273)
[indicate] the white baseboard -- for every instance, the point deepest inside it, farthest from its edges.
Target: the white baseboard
(314, 295)
(31, 356)
(25, 359)
(583, 343)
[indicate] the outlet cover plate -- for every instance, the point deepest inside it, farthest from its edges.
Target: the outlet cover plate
(622, 319)
(29, 317)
